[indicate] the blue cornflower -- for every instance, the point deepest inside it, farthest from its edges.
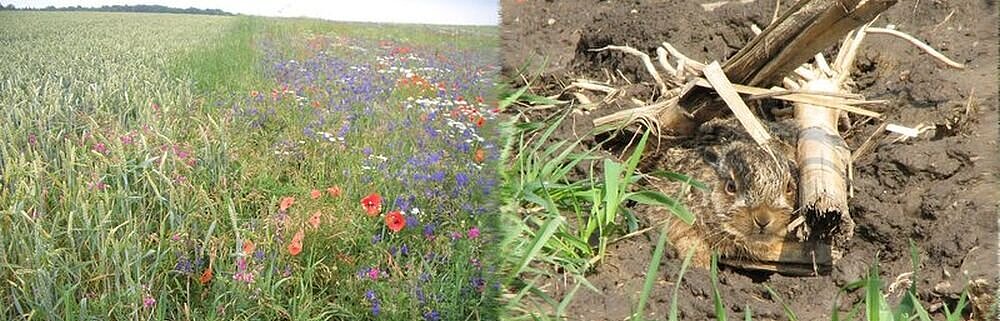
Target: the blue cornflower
(412, 221)
(432, 315)
(343, 130)
(487, 185)
(462, 179)
(429, 230)
(477, 283)
(433, 158)
(404, 203)
(421, 298)
(184, 265)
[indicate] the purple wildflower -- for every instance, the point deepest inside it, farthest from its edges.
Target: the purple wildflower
(462, 180)
(412, 221)
(101, 148)
(478, 283)
(242, 275)
(438, 176)
(421, 298)
(343, 130)
(429, 230)
(98, 185)
(184, 265)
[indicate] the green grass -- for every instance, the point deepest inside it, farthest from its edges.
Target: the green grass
(228, 65)
(558, 222)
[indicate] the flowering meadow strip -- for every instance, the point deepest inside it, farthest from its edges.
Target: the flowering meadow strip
(402, 138)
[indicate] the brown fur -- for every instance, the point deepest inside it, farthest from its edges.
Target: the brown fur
(743, 221)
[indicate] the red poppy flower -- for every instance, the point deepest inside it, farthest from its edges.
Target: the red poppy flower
(315, 219)
(334, 191)
(480, 155)
(395, 221)
(314, 194)
(480, 122)
(372, 204)
(286, 202)
(296, 246)
(206, 276)
(248, 247)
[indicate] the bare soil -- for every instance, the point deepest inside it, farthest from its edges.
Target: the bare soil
(939, 191)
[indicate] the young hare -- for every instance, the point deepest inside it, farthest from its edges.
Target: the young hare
(750, 200)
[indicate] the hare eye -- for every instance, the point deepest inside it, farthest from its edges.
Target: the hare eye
(730, 187)
(790, 188)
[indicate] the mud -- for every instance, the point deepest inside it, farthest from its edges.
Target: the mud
(938, 191)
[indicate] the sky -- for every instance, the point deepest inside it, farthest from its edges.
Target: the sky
(451, 12)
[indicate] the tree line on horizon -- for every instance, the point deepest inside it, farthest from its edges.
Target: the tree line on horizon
(125, 8)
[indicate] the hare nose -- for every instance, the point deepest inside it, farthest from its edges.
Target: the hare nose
(762, 220)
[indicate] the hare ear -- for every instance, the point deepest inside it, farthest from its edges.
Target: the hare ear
(713, 156)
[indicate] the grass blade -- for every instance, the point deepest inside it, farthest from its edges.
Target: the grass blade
(612, 180)
(677, 177)
(651, 273)
(510, 99)
(672, 314)
(539, 242)
(720, 309)
(784, 306)
(658, 199)
(873, 294)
